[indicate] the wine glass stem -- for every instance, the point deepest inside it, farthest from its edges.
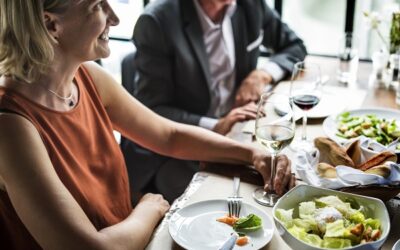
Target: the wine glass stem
(304, 132)
(271, 179)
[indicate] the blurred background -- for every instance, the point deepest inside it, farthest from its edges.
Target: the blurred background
(319, 23)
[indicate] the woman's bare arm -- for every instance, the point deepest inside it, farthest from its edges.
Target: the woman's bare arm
(46, 207)
(166, 137)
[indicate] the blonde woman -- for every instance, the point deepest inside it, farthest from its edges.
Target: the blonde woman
(63, 181)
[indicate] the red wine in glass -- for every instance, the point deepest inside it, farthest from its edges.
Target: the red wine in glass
(306, 101)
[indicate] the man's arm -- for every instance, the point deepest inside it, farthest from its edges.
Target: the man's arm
(287, 49)
(154, 62)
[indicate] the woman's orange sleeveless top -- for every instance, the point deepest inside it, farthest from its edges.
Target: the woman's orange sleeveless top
(84, 153)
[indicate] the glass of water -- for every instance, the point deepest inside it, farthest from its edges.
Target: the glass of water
(348, 59)
(274, 130)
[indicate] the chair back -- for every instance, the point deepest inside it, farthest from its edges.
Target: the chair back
(128, 72)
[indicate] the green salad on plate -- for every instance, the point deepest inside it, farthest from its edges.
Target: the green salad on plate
(381, 130)
(329, 222)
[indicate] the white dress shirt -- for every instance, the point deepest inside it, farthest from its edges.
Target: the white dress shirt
(220, 48)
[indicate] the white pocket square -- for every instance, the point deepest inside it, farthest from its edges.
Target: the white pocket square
(256, 42)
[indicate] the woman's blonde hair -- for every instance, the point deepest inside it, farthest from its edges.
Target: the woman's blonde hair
(26, 47)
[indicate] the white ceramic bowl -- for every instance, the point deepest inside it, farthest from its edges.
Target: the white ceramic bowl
(374, 208)
(396, 245)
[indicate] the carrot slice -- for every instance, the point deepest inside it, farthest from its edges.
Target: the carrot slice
(228, 220)
(243, 240)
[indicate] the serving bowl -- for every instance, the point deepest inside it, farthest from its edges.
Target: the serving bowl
(396, 245)
(374, 208)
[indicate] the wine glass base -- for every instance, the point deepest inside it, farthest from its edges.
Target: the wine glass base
(264, 198)
(302, 145)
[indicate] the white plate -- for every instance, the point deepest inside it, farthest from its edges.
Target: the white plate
(195, 226)
(330, 124)
(396, 246)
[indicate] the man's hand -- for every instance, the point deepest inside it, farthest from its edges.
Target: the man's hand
(251, 88)
(283, 181)
(246, 112)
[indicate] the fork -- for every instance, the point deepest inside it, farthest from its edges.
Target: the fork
(235, 201)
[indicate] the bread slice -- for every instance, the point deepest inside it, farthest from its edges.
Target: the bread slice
(326, 170)
(354, 151)
(382, 170)
(378, 159)
(332, 153)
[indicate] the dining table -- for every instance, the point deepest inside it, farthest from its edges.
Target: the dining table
(214, 181)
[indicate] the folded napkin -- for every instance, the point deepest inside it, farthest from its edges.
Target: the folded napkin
(306, 168)
(370, 147)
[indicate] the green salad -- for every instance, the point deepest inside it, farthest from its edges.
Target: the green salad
(249, 223)
(381, 130)
(329, 222)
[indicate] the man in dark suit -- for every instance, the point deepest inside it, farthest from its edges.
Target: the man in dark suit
(197, 64)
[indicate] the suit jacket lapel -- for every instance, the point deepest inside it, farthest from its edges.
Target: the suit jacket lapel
(240, 38)
(195, 35)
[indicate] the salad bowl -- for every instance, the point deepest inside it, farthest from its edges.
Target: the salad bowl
(372, 208)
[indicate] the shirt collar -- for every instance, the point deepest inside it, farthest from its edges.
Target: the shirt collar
(206, 23)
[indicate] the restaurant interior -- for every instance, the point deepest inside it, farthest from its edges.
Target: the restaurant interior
(329, 110)
(327, 27)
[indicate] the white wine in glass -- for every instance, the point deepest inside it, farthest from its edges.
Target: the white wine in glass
(274, 131)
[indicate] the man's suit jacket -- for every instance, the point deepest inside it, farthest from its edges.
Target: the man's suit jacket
(171, 58)
(173, 73)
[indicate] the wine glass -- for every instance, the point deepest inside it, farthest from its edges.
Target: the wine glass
(274, 130)
(305, 92)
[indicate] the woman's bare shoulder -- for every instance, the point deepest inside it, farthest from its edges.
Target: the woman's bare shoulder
(105, 83)
(18, 137)
(10, 121)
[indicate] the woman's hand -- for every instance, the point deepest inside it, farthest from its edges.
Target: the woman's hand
(283, 181)
(153, 204)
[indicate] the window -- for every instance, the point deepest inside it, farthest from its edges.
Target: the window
(319, 23)
(369, 39)
(271, 3)
(128, 12)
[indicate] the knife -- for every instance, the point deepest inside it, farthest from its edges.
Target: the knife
(229, 243)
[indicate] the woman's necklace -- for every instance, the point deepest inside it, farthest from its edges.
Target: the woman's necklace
(67, 99)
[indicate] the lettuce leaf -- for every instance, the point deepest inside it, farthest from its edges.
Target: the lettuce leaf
(334, 201)
(335, 243)
(373, 223)
(249, 223)
(309, 224)
(297, 231)
(311, 239)
(335, 229)
(302, 235)
(285, 216)
(357, 217)
(307, 209)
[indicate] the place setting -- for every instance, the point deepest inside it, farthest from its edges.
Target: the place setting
(352, 191)
(222, 224)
